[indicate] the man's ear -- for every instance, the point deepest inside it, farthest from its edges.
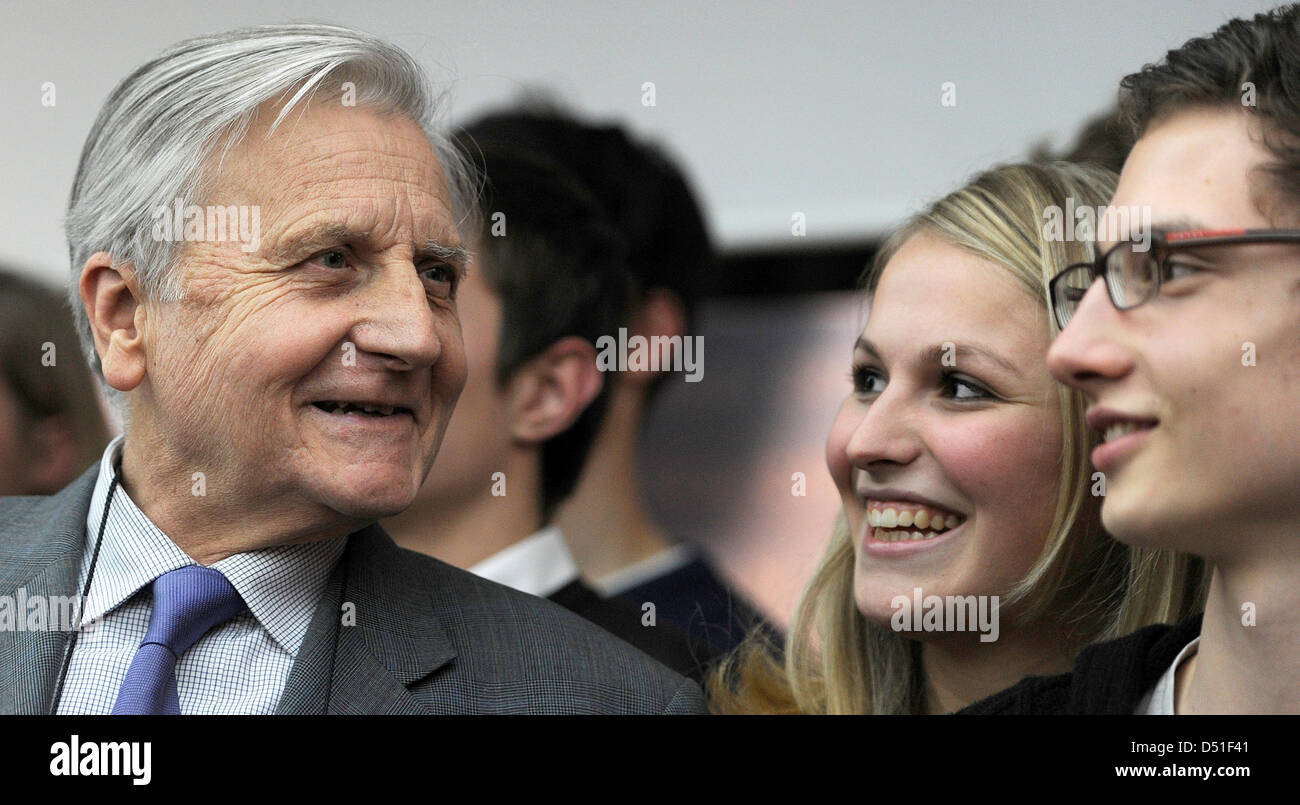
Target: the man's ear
(661, 313)
(551, 391)
(117, 318)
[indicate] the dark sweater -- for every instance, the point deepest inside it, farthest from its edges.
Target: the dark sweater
(694, 599)
(666, 643)
(1108, 678)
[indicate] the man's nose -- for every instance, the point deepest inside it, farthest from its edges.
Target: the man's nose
(398, 324)
(1085, 354)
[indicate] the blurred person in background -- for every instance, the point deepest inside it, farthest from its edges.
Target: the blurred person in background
(1104, 140)
(963, 471)
(670, 265)
(52, 425)
(545, 283)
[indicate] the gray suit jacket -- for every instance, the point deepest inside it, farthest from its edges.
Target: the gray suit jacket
(428, 637)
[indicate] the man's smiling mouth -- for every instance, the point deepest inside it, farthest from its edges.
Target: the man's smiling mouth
(365, 409)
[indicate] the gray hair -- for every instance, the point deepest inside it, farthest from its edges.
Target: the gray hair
(155, 138)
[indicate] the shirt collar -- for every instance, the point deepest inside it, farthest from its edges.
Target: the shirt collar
(1160, 701)
(539, 564)
(280, 585)
(655, 566)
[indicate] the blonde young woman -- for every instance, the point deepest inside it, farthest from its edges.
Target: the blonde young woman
(963, 470)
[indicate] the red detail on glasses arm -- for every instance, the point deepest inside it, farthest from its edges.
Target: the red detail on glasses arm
(1197, 234)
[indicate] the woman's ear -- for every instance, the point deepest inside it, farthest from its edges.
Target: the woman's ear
(549, 393)
(117, 318)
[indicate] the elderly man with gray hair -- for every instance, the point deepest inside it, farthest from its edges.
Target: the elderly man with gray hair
(266, 249)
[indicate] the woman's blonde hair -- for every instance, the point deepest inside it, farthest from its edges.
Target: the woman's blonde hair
(834, 660)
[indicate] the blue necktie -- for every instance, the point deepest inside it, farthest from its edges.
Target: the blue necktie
(186, 604)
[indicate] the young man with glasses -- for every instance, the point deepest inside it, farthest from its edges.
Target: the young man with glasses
(1189, 354)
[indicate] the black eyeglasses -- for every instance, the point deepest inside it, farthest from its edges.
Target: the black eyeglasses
(1132, 275)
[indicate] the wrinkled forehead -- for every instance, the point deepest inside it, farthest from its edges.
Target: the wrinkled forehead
(325, 155)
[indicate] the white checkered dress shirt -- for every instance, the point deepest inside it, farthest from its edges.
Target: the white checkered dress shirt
(239, 667)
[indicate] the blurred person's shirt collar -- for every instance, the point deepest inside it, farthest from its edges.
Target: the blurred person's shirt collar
(648, 569)
(539, 564)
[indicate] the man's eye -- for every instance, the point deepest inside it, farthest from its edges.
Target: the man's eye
(867, 381)
(334, 258)
(441, 279)
(964, 389)
(1175, 270)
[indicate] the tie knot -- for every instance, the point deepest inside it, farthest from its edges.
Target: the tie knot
(187, 603)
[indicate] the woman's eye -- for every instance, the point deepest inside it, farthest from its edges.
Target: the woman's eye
(441, 278)
(867, 381)
(963, 389)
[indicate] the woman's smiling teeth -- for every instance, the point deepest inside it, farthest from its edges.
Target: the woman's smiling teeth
(894, 522)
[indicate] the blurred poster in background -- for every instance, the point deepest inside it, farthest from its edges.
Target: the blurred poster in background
(726, 458)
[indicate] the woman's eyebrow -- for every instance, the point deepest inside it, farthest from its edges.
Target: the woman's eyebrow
(865, 345)
(946, 353)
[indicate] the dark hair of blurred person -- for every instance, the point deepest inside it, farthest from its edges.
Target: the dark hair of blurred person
(1104, 140)
(671, 264)
(546, 282)
(51, 423)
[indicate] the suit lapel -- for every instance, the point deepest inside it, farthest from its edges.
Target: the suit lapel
(373, 634)
(395, 639)
(307, 690)
(44, 561)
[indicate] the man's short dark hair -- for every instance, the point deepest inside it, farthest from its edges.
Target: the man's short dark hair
(34, 319)
(646, 196)
(558, 269)
(1213, 71)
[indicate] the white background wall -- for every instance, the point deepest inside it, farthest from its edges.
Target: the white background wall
(830, 109)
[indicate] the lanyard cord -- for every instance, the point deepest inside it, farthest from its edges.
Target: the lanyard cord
(81, 607)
